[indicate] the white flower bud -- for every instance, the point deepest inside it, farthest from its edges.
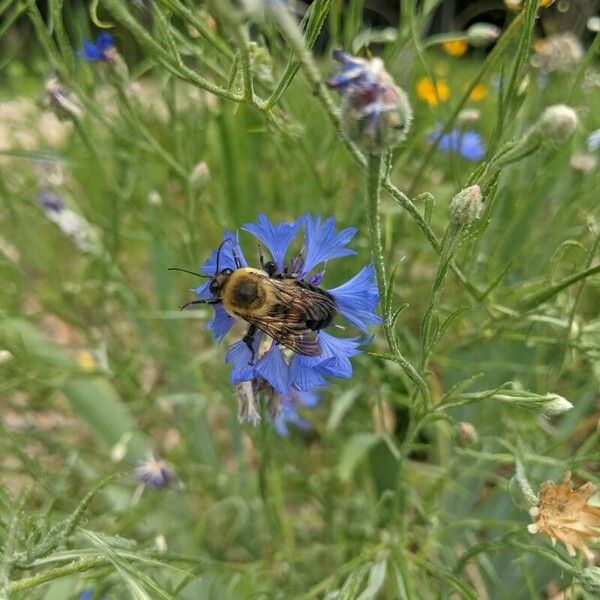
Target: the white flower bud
(199, 176)
(466, 206)
(556, 405)
(469, 116)
(583, 163)
(557, 124)
(481, 35)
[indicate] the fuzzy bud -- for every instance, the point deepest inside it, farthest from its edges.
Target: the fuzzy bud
(481, 35)
(376, 113)
(199, 176)
(466, 206)
(556, 405)
(583, 163)
(557, 124)
(466, 434)
(468, 116)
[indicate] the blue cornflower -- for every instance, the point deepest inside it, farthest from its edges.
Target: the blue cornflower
(88, 594)
(154, 473)
(284, 373)
(100, 50)
(466, 143)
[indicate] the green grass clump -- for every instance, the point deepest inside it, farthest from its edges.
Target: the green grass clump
(415, 479)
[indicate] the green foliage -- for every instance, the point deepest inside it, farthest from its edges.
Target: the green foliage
(206, 116)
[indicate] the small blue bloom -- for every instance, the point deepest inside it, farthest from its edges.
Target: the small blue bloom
(98, 50)
(268, 371)
(354, 72)
(87, 594)
(154, 473)
(468, 143)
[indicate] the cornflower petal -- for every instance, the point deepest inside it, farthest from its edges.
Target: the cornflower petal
(357, 299)
(304, 376)
(338, 349)
(273, 368)
(221, 323)
(276, 238)
(239, 357)
(323, 243)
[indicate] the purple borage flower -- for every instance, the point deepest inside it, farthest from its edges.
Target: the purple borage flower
(466, 143)
(100, 50)
(284, 378)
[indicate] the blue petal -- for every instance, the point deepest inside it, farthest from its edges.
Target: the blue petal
(309, 399)
(289, 414)
(226, 259)
(275, 370)
(90, 51)
(471, 146)
(358, 298)
(323, 243)
(239, 357)
(203, 291)
(338, 349)
(221, 323)
(87, 594)
(276, 238)
(104, 42)
(304, 376)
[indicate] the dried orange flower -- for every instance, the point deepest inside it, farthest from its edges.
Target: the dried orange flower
(455, 47)
(563, 514)
(479, 92)
(430, 93)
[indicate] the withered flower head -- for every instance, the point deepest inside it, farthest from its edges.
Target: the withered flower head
(563, 514)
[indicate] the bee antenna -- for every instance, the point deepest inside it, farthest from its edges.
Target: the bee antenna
(219, 252)
(189, 272)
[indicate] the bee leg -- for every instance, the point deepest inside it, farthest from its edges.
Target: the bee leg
(248, 339)
(212, 301)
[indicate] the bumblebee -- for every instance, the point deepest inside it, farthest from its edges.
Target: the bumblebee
(289, 310)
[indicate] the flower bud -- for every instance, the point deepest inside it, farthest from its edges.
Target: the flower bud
(593, 141)
(481, 35)
(376, 113)
(557, 124)
(466, 206)
(466, 434)
(468, 116)
(593, 24)
(556, 405)
(199, 176)
(583, 163)
(64, 104)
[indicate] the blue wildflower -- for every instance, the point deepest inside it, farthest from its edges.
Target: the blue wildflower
(289, 412)
(278, 372)
(100, 50)
(154, 473)
(466, 143)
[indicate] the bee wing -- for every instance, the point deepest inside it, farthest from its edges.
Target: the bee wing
(296, 337)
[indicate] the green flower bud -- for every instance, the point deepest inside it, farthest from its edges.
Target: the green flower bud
(589, 580)
(557, 124)
(466, 206)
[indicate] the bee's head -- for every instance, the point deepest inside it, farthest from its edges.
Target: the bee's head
(219, 280)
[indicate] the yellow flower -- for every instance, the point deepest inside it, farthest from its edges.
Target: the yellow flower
(86, 361)
(430, 93)
(479, 92)
(563, 514)
(455, 47)
(517, 5)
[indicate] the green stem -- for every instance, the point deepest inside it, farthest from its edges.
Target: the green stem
(51, 574)
(374, 221)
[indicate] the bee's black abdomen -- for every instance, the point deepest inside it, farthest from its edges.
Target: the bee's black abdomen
(245, 293)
